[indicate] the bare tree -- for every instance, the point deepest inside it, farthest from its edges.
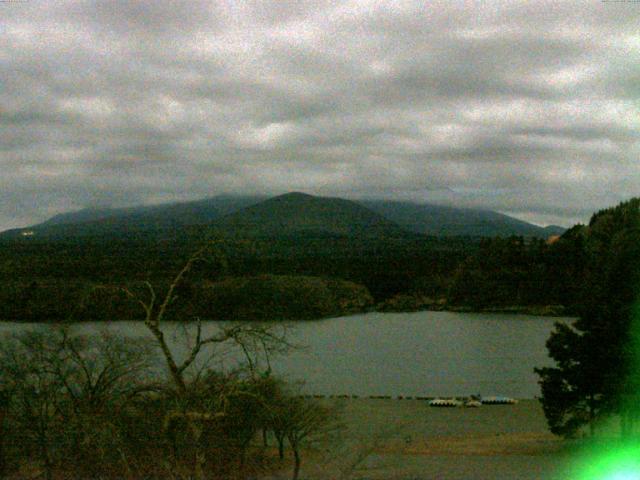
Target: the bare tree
(300, 420)
(35, 390)
(253, 339)
(62, 385)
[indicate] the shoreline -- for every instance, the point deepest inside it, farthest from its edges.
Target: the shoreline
(544, 311)
(410, 440)
(407, 398)
(411, 303)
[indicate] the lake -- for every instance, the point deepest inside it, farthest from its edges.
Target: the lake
(409, 354)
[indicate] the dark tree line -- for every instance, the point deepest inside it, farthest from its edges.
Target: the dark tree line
(516, 271)
(40, 280)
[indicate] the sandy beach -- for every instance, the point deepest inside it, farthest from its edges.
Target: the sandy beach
(408, 439)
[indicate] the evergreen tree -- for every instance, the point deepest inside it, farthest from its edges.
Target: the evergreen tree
(596, 370)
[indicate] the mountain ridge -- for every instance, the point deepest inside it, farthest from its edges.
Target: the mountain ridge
(442, 220)
(244, 213)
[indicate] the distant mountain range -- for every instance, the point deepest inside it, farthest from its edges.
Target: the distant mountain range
(288, 214)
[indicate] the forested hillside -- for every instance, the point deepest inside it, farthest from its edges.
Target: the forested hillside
(325, 251)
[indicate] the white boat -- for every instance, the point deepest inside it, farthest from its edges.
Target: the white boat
(444, 402)
(497, 400)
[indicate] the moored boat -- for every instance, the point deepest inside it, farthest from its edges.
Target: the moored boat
(498, 400)
(444, 402)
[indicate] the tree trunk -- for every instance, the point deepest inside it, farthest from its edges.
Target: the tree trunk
(3, 464)
(2, 435)
(199, 456)
(296, 465)
(199, 464)
(243, 457)
(280, 446)
(44, 453)
(174, 371)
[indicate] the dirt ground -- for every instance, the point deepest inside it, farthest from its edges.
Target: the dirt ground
(407, 439)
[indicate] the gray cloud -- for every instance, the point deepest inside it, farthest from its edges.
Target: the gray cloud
(528, 107)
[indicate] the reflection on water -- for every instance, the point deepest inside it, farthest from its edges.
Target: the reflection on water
(409, 354)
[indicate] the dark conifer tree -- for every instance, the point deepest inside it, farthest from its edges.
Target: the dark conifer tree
(597, 362)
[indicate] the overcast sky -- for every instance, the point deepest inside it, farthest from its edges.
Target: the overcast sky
(527, 108)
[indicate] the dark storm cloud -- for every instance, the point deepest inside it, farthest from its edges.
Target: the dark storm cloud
(524, 107)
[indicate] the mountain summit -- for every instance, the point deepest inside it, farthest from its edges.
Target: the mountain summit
(301, 213)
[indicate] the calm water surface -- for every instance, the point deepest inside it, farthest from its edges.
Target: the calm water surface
(421, 353)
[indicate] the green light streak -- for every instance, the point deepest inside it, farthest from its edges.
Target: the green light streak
(617, 459)
(612, 463)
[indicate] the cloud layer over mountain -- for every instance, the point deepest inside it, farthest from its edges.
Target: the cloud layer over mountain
(528, 108)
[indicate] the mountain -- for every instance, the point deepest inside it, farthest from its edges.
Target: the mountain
(451, 221)
(299, 213)
(186, 213)
(147, 219)
(292, 213)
